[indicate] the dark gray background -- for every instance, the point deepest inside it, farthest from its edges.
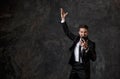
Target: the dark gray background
(33, 45)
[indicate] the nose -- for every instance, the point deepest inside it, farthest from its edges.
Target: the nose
(83, 34)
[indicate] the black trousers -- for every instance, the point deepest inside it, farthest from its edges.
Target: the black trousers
(78, 72)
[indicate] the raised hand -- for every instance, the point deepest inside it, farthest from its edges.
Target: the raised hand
(84, 43)
(63, 14)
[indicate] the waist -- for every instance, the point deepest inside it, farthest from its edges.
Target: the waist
(78, 64)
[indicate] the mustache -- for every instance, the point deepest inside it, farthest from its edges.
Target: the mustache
(85, 38)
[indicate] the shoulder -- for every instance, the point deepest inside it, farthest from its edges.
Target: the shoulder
(91, 42)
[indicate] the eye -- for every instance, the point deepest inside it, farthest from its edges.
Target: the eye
(85, 32)
(81, 31)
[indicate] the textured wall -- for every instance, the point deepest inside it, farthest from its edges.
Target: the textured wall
(33, 45)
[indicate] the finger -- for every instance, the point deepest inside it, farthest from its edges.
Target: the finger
(86, 44)
(83, 40)
(81, 43)
(66, 13)
(61, 11)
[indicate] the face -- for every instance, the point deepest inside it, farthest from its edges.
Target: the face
(83, 32)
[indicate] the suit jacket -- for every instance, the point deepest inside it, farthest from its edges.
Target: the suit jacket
(90, 55)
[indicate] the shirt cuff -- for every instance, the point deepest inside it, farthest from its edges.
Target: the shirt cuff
(63, 20)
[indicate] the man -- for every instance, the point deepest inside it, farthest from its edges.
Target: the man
(82, 50)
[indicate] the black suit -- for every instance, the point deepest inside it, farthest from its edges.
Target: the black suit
(80, 71)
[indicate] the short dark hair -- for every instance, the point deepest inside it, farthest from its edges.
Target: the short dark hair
(83, 26)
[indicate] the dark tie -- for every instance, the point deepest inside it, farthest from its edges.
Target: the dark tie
(80, 54)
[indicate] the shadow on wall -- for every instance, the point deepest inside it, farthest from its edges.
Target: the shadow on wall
(8, 67)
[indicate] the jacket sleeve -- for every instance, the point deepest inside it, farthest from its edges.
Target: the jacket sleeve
(67, 31)
(92, 52)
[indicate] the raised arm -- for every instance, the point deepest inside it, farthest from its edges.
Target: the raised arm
(65, 26)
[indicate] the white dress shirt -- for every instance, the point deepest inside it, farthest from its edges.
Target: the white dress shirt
(76, 53)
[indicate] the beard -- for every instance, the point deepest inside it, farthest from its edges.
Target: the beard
(85, 38)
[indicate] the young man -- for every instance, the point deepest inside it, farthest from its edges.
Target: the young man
(82, 50)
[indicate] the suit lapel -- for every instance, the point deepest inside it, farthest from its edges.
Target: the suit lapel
(74, 43)
(89, 43)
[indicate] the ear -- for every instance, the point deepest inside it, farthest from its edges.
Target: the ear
(78, 33)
